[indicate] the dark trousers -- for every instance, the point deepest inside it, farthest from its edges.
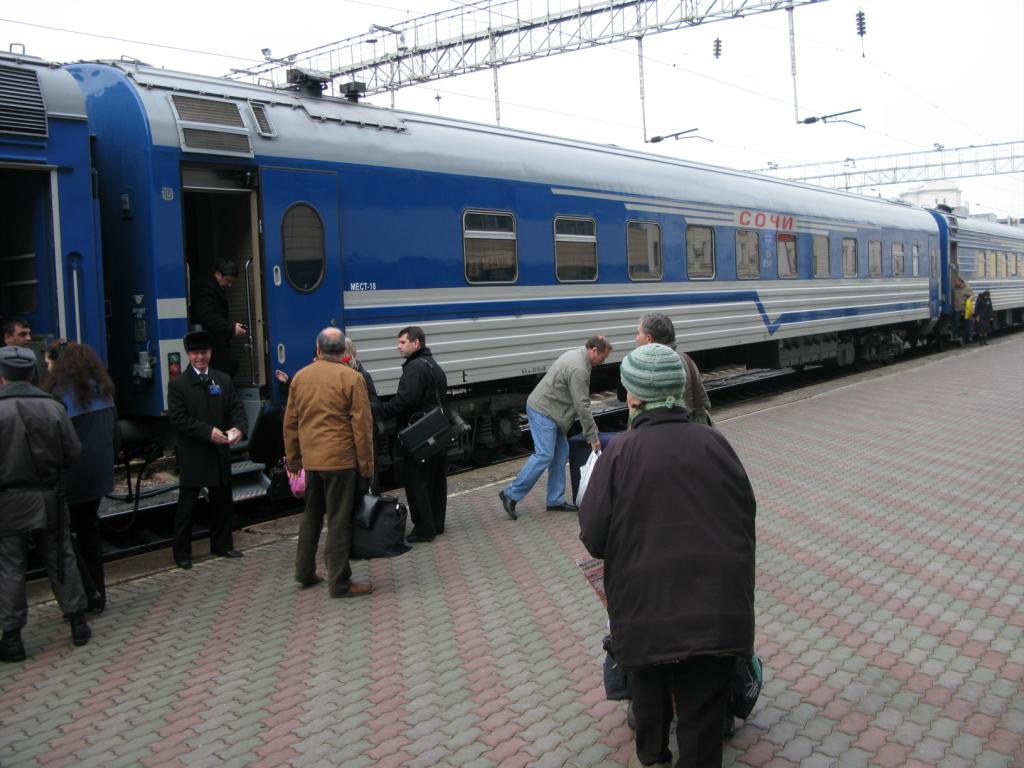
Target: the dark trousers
(85, 525)
(55, 551)
(330, 495)
(700, 687)
(426, 490)
(220, 521)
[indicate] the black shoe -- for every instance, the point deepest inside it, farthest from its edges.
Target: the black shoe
(11, 647)
(416, 538)
(509, 505)
(80, 632)
(183, 563)
(565, 506)
(97, 603)
(230, 553)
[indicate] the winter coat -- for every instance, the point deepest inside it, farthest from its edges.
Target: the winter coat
(983, 313)
(563, 395)
(209, 308)
(670, 510)
(39, 443)
(194, 410)
(92, 476)
(422, 384)
(327, 422)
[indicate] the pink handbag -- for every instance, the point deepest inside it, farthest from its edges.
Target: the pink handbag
(298, 484)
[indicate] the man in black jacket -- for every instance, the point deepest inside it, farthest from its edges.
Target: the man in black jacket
(39, 445)
(670, 510)
(206, 411)
(210, 310)
(421, 387)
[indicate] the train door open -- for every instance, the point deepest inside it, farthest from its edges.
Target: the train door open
(220, 214)
(302, 249)
(27, 251)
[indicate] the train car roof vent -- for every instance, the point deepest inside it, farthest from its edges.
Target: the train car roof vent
(212, 126)
(263, 124)
(22, 110)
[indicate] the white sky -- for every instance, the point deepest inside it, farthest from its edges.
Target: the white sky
(933, 72)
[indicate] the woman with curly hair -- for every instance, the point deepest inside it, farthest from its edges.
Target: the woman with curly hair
(77, 378)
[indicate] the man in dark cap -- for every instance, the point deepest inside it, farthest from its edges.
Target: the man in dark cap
(39, 444)
(209, 416)
(210, 310)
(671, 512)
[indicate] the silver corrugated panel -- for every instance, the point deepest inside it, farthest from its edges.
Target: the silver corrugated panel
(210, 111)
(22, 110)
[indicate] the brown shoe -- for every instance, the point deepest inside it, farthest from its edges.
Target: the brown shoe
(355, 589)
(310, 581)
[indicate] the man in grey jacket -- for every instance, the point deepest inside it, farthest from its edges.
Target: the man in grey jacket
(561, 397)
(40, 444)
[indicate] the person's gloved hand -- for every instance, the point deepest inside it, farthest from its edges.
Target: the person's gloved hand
(362, 486)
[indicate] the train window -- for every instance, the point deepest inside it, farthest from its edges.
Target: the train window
(700, 253)
(991, 263)
(787, 254)
(643, 250)
(874, 258)
(849, 257)
(897, 260)
(748, 254)
(915, 260)
(935, 263)
(575, 249)
(980, 263)
(302, 244)
(489, 241)
(820, 247)
(1001, 264)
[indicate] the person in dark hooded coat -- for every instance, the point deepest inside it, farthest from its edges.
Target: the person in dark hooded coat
(983, 316)
(670, 510)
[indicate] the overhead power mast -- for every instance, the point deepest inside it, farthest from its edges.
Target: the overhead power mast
(472, 38)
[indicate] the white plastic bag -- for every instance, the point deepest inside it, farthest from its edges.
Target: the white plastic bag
(585, 471)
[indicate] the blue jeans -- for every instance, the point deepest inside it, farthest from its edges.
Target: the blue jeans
(550, 452)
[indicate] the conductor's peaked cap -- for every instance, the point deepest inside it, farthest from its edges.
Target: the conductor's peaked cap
(196, 340)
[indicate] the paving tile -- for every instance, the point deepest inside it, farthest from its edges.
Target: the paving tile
(889, 616)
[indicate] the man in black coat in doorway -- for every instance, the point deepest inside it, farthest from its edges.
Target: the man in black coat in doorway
(209, 416)
(210, 309)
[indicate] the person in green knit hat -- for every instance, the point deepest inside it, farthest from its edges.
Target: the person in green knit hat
(671, 512)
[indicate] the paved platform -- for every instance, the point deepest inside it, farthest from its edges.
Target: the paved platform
(889, 615)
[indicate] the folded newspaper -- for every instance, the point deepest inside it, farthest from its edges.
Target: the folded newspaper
(593, 572)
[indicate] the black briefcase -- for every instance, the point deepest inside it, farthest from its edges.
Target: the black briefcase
(379, 528)
(428, 435)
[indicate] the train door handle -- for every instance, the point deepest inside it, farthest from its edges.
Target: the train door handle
(280, 354)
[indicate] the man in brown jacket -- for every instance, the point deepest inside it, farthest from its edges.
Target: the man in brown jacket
(328, 431)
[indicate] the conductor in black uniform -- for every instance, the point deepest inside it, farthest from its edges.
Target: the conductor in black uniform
(210, 310)
(209, 418)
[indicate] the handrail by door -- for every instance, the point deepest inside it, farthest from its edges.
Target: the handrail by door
(249, 326)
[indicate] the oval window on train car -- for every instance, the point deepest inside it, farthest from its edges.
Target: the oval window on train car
(302, 245)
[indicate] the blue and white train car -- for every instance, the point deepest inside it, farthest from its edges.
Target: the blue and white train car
(507, 247)
(990, 257)
(51, 273)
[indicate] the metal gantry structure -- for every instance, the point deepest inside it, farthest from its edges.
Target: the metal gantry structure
(856, 173)
(482, 36)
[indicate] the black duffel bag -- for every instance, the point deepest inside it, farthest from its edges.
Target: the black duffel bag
(379, 528)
